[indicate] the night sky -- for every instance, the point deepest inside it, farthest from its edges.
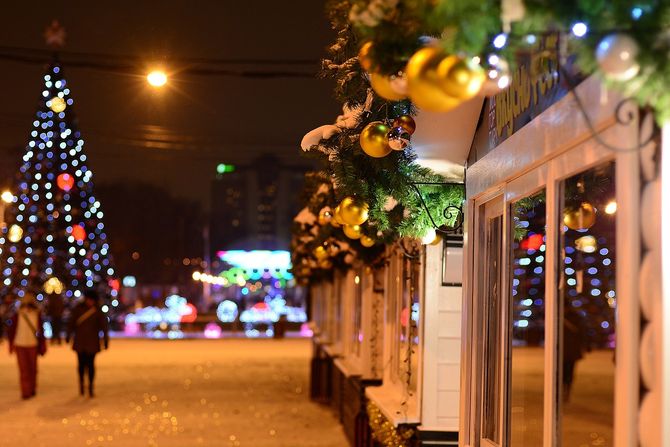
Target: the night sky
(199, 121)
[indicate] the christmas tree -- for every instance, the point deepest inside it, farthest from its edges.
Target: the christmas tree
(54, 238)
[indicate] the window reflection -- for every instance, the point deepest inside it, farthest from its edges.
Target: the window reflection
(409, 322)
(587, 301)
(491, 299)
(527, 321)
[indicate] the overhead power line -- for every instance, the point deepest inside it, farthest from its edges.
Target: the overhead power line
(123, 63)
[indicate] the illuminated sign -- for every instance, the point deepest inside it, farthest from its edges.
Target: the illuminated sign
(257, 259)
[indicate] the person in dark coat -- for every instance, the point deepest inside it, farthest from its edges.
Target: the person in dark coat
(55, 307)
(26, 338)
(574, 346)
(86, 326)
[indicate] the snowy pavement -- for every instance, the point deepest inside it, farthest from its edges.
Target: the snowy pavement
(171, 393)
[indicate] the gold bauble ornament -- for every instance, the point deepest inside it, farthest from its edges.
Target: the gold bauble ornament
(406, 122)
(352, 231)
(57, 104)
(437, 240)
(383, 86)
(460, 78)
(367, 241)
(326, 264)
(337, 218)
(325, 216)
(374, 139)
(353, 213)
(581, 218)
(364, 57)
(320, 253)
(424, 82)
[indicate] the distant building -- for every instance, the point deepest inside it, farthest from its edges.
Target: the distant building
(253, 206)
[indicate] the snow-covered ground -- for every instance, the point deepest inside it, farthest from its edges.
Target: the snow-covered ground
(171, 393)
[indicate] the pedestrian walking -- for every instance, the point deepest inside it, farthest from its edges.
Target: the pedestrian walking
(55, 307)
(26, 338)
(7, 305)
(86, 327)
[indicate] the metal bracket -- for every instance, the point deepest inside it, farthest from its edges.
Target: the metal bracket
(449, 213)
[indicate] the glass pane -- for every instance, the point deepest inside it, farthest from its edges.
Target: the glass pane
(491, 305)
(404, 327)
(337, 303)
(452, 262)
(415, 308)
(394, 313)
(527, 321)
(358, 309)
(587, 301)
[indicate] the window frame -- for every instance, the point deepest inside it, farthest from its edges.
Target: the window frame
(549, 165)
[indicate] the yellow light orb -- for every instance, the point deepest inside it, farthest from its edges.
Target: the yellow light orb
(374, 139)
(53, 285)
(353, 231)
(581, 218)
(325, 216)
(157, 78)
(57, 104)
(586, 244)
(611, 207)
(367, 241)
(382, 85)
(15, 233)
(7, 197)
(320, 253)
(460, 78)
(424, 82)
(196, 276)
(353, 213)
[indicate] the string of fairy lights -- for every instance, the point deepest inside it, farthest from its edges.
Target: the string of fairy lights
(55, 239)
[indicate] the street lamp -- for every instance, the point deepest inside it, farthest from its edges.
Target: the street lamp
(157, 78)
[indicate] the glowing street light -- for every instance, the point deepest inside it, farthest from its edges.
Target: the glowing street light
(157, 78)
(7, 197)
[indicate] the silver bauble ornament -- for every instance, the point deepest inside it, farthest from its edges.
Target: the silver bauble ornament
(617, 57)
(398, 138)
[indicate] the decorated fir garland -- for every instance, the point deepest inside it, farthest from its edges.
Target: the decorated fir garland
(319, 243)
(385, 433)
(474, 45)
(367, 152)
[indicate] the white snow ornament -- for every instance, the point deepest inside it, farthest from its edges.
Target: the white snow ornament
(313, 137)
(349, 118)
